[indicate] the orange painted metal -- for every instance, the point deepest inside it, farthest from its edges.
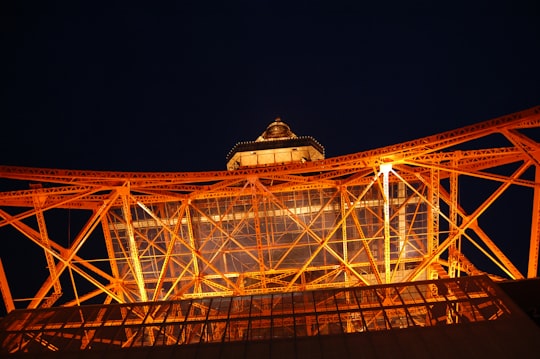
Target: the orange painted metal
(330, 223)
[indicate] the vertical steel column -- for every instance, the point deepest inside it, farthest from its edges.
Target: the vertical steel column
(133, 250)
(258, 235)
(385, 169)
(196, 270)
(534, 246)
(433, 218)
(344, 203)
(402, 221)
(455, 247)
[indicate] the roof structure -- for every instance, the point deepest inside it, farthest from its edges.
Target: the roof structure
(401, 320)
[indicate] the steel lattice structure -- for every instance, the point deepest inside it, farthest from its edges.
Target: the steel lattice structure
(382, 216)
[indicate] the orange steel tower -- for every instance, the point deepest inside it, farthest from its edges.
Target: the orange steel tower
(281, 220)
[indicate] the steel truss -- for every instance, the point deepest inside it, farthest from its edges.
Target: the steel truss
(389, 215)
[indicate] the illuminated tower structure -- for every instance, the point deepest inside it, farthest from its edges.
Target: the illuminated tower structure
(283, 244)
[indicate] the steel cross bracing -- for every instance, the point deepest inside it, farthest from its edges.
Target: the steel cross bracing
(394, 214)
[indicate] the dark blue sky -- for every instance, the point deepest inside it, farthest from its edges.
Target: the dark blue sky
(174, 87)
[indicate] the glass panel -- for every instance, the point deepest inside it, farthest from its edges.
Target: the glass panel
(259, 317)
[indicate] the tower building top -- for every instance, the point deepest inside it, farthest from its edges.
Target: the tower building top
(276, 145)
(275, 130)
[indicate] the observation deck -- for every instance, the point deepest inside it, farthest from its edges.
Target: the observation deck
(276, 145)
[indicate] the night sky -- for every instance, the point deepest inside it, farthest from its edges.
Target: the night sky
(174, 87)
